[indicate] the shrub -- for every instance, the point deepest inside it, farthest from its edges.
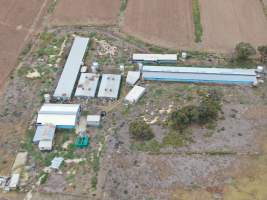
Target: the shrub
(263, 52)
(139, 129)
(244, 51)
(207, 111)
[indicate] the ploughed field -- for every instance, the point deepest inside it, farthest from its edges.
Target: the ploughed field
(227, 22)
(16, 19)
(165, 23)
(86, 12)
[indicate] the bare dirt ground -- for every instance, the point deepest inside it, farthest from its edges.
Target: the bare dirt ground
(86, 12)
(207, 168)
(164, 24)
(16, 20)
(225, 23)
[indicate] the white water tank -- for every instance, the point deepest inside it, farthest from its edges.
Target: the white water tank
(47, 98)
(260, 69)
(95, 67)
(184, 55)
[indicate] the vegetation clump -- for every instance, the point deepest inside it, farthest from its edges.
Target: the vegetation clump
(244, 51)
(207, 111)
(140, 130)
(263, 52)
(197, 21)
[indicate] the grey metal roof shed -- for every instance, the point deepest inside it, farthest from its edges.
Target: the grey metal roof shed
(199, 75)
(110, 86)
(45, 132)
(87, 85)
(71, 70)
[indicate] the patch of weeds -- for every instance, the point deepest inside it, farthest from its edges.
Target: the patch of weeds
(220, 153)
(125, 110)
(52, 7)
(85, 113)
(176, 139)
(123, 5)
(43, 177)
(197, 21)
(23, 71)
(70, 178)
(95, 163)
(94, 182)
(152, 146)
(26, 49)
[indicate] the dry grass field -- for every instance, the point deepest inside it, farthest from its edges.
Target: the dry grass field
(165, 23)
(90, 12)
(227, 22)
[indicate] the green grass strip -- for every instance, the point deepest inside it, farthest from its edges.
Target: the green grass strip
(197, 21)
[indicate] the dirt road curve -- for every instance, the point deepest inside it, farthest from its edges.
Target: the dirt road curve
(227, 22)
(18, 19)
(163, 23)
(90, 12)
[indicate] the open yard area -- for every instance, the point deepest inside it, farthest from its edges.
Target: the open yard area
(196, 131)
(167, 24)
(16, 20)
(86, 12)
(228, 22)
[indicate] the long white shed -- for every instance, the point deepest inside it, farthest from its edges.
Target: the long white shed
(155, 58)
(60, 115)
(71, 69)
(135, 94)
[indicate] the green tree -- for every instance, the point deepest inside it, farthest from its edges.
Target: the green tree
(263, 52)
(140, 130)
(244, 51)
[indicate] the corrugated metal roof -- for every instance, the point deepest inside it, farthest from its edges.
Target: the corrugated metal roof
(56, 162)
(72, 67)
(135, 94)
(155, 57)
(59, 108)
(87, 85)
(14, 181)
(132, 77)
(45, 145)
(201, 70)
(198, 78)
(93, 118)
(110, 86)
(46, 132)
(58, 114)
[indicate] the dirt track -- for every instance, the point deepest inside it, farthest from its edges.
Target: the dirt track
(227, 22)
(90, 12)
(155, 21)
(16, 20)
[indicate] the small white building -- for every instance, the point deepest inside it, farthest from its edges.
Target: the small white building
(135, 94)
(56, 162)
(132, 77)
(94, 120)
(60, 115)
(44, 137)
(14, 181)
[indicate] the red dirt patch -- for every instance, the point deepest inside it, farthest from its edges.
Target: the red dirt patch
(163, 23)
(228, 22)
(86, 12)
(16, 18)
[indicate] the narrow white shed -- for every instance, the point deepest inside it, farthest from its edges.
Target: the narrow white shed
(132, 77)
(94, 120)
(135, 94)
